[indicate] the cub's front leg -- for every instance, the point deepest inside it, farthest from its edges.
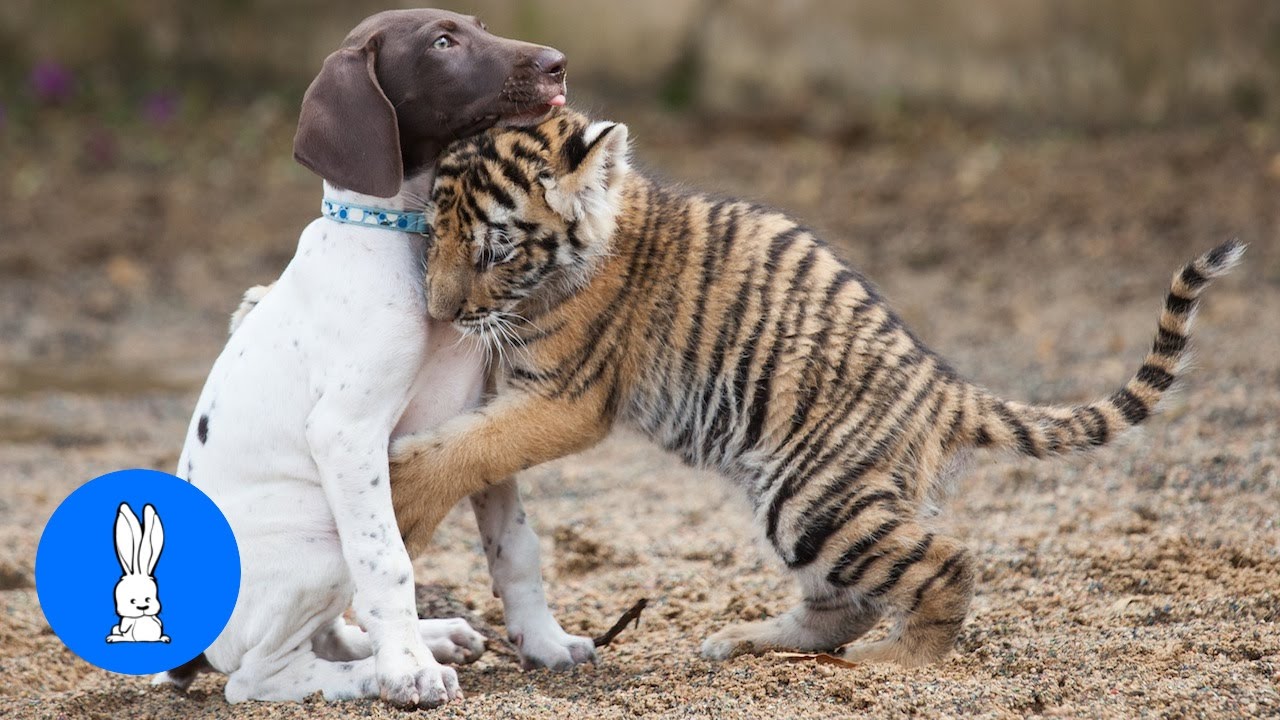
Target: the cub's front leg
(431, 472)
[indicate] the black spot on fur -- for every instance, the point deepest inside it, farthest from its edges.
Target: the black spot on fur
(374, 482)
(202, 429)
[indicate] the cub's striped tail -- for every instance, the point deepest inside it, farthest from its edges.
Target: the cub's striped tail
(1040, 430)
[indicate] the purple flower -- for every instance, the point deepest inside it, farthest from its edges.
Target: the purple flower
(52, 83)
(160, 108)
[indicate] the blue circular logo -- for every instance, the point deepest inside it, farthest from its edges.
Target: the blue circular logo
(137, 571)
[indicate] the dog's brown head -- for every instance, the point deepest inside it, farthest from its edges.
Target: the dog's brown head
(405, 83)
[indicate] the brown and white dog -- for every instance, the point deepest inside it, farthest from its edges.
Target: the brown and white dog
(290, 434)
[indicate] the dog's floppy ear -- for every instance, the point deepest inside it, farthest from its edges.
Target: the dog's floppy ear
(347, 131)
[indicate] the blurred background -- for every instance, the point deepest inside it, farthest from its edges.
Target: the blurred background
(1005, 156)
(1020, 177)
(153, 109)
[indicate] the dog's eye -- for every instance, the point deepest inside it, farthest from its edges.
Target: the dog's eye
(444, 42)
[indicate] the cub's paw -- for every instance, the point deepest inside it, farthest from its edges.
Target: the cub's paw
(251, 298)
(451, 640)
(418, 451)
(892, 651)
(553, 648)
(412, 678)
(741, 639)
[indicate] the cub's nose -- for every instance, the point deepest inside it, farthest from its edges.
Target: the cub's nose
(551, 62)
(444, 307)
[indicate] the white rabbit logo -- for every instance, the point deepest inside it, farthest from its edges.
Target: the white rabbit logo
(137, 596)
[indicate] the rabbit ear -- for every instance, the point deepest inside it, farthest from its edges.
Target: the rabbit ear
(152, 540)
(128, 537)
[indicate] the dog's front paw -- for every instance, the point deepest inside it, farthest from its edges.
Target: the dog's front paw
(412, 678)
(553, 648)
(451, 640)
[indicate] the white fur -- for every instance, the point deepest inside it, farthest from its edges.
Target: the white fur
(338, 357)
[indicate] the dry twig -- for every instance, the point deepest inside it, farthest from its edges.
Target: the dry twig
(618, 627)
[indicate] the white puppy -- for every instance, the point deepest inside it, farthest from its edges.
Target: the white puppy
(291, 431)
(290, 440)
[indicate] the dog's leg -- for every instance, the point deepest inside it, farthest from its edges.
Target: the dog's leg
(301, 674)
(450, 640)
(341, 642)
(348, 441)
(511, 548)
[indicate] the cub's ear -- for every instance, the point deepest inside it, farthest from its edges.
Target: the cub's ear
(347, 130)
(593, 163)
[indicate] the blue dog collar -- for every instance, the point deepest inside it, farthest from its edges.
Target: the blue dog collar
(394, 220)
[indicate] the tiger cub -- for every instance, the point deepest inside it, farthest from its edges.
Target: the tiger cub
(731, 335)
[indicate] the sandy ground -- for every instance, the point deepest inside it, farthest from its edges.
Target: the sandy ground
(1140, 581)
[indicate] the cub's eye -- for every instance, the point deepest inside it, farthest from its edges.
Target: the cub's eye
(504, 254)
(545, 175)
(444, 42)
(497, 249)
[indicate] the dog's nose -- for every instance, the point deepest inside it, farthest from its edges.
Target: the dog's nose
(551, 62)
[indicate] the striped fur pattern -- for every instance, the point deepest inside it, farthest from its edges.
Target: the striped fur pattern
(731, 335)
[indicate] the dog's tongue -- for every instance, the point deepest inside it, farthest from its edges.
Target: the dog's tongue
(557, 101)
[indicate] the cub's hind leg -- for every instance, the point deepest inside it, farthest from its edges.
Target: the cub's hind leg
(857, 560)
(822, 622)
(924, 580)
